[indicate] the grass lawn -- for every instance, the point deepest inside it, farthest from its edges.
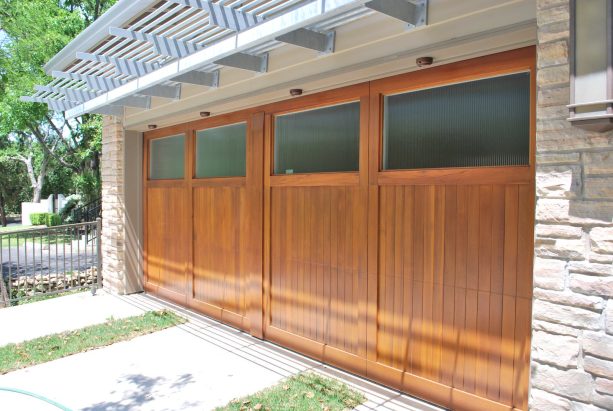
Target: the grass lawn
(43, 297)
(56, 237)
(52, 347)
(303, 392)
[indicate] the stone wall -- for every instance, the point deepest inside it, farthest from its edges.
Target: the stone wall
(113, 214)
(572, 341)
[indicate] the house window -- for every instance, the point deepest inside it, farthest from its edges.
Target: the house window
(591, 64)
(474, 124)
(167, 158)
(221, 151)
(316, 141)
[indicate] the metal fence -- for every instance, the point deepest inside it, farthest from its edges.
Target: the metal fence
(44, 261)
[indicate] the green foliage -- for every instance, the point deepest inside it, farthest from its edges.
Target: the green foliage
(65, 153)
(39, 218)
(302, 392)
(53, 220)
(72, 201)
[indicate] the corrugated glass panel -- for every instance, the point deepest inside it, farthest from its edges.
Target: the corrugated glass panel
(321, 140)
(221, 151)
(167, 158)
(478, 123)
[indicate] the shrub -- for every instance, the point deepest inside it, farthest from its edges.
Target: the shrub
(53, 220)
(39, 218)
(72, 201)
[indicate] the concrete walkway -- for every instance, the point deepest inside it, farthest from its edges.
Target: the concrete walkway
(196, 366)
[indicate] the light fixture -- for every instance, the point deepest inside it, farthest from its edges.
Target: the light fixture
(591, 64)
(296, 92)
(205, 114)
(424, 61)
(152, 126)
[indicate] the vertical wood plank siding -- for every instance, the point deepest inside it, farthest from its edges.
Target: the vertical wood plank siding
(419, 279)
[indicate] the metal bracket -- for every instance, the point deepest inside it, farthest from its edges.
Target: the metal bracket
(415, 13)
(199, 78)
(246, 62)
(322, 42)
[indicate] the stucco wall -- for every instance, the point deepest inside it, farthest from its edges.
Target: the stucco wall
(572, 348)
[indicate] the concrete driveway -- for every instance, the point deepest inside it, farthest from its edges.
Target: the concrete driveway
(196, 366)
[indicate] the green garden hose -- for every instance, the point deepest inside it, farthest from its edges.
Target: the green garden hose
(39, 397)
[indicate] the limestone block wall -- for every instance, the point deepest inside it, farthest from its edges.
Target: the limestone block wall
(121, 208)
(572, 345)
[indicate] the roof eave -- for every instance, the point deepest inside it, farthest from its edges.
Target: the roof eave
(122, 12)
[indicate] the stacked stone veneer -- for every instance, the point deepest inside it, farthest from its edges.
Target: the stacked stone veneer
(113, 211)
(572, 341)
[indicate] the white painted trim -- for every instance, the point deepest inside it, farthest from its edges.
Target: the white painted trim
(308, 14)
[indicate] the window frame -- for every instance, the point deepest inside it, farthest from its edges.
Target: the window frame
(358, 93)
(383, 96)
(209, 127)
(496, 65)
(159, 135)
(305, 110)
(593, 121)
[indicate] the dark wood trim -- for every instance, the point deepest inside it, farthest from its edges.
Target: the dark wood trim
(315, 179)
(477, 175)
(219, 182)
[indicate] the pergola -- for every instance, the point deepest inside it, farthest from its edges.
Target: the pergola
(123, 61)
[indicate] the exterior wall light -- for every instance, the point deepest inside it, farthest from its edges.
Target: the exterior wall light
(152, 126)
(205, 114)
(424, 61)
(591, 64)
(295, 92)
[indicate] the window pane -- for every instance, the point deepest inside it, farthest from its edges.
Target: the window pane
(221, 152)
(322, 140)
(479, 123)
(167, 158)
(590, 45)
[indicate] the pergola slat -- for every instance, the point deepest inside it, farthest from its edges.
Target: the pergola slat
(72, 94)
(56, 105)
(166, 46)
(122, 66)
(93, 82)
(223, 16)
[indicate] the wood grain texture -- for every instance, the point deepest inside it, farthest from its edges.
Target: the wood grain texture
(316, 267)
(419, 279)
(452, 331)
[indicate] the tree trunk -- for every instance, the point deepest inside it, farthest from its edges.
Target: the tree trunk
(40, 181)
(2, 211)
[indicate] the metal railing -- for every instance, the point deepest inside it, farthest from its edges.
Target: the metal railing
(88, 212)
(44, 261)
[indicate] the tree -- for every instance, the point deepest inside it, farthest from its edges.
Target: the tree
(31, 32)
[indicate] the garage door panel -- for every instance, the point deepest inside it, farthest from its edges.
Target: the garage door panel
(218, 279)
(167, 230)
(316, 263)
(444, 259)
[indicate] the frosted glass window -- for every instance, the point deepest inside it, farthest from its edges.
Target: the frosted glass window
(478, 123)
(221, 151)
(167, 158)
(321, 140)
(590, 46)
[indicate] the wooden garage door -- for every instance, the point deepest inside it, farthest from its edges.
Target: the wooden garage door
(386, 228)
(204, 225)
